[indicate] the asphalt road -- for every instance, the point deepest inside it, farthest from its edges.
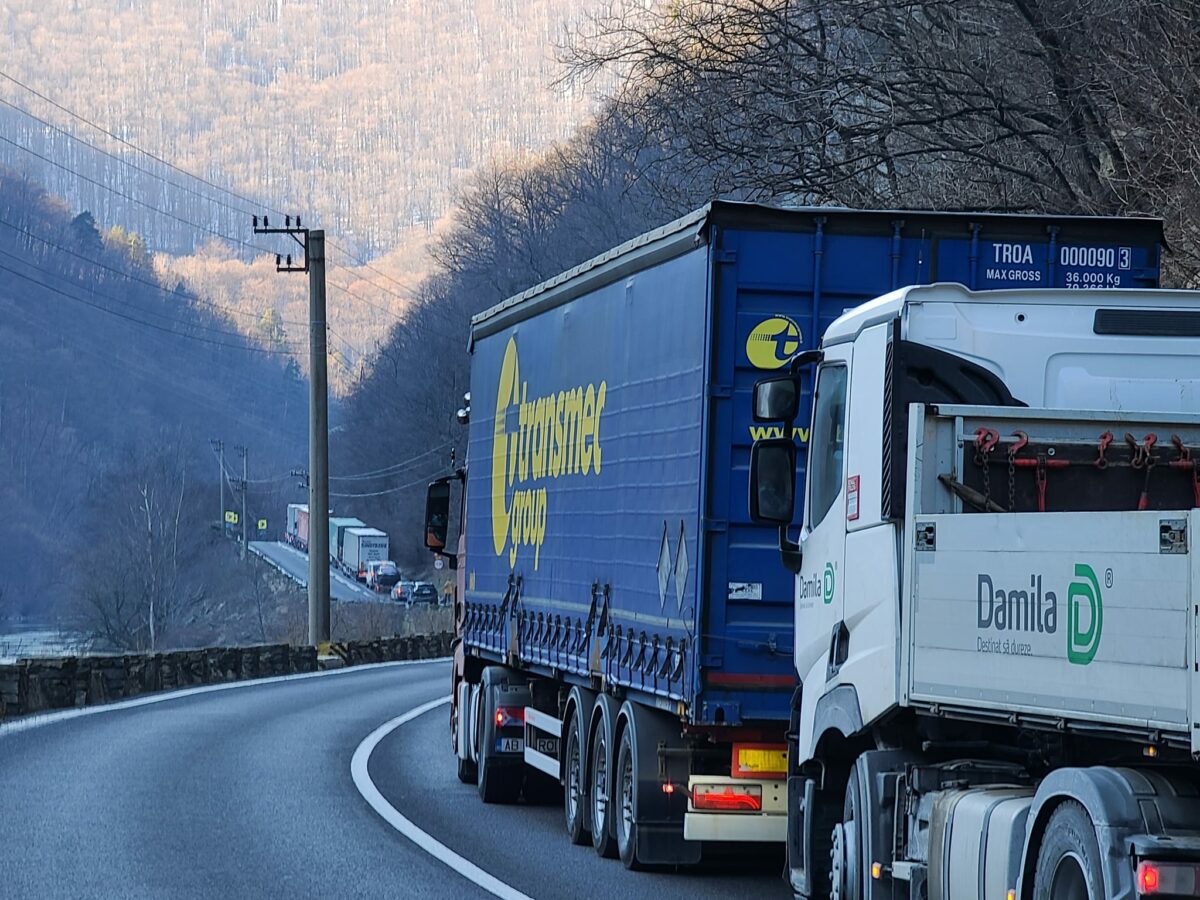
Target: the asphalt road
(295, 565)
(247, 792)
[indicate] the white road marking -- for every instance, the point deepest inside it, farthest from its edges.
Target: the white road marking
(391, 815)
(37, 720)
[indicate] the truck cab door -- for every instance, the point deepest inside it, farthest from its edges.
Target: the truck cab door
(822, 639)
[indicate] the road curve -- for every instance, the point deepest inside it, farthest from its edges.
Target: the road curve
(247, 792)
(526, 847)
(294, 564)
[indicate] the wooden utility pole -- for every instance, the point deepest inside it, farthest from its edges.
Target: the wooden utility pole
(219, 447)
(245, 485)
(313, 245)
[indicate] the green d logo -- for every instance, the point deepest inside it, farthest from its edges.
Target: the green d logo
(827, 583)
(1083, 642)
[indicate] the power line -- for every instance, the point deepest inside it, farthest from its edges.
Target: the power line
(242, 211)
(121, 159)
(125, 273)
(403, 487)
(112, 312)
(393, 469)
(157, 377)
(152, 208)
(121, 140)
(407, 295)
(142, 203)
(117, 300)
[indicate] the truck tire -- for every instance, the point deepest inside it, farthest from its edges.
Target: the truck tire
(1068, 862)
(575, 805)
(468, 772)
(598, 794)
(624, 800)
(847, 878)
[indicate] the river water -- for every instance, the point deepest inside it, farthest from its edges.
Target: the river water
(22, 640)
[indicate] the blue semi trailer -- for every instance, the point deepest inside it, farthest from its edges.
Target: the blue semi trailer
(625, 631)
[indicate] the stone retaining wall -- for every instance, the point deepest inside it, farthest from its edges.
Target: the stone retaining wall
(38, 685)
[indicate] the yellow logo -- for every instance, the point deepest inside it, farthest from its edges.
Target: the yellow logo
(535, 439)
(773, 342)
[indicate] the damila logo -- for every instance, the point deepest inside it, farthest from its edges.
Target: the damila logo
(773, 342)
(1019, 615)
(1084, 628)
(828, 581)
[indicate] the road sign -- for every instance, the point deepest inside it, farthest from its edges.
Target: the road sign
(262, 524)
(231, 517)
(438, 563)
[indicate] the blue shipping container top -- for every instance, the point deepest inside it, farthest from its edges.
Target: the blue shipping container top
(607, 527)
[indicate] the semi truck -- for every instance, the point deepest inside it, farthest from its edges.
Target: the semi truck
(625, 632)
(996, 595)
(361, 546)
(337, 536)
(297, 526)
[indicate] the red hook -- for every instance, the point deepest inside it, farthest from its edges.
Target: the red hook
(986, 439)
(1102, 448)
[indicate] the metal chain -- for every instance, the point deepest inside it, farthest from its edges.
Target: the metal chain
(1012, 481)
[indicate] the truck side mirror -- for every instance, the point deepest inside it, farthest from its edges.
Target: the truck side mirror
(773, 481)
(437, 514)
(777, 399)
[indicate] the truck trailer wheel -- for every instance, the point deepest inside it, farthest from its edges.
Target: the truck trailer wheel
(1068, 862)
(598, 791)
(575, 808)
(468, 772)
(623, 793)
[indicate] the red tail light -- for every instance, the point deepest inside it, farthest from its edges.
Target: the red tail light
(509, 715)
(725, 798)
(1163, 879)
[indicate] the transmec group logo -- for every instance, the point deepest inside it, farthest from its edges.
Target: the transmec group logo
(773, 342)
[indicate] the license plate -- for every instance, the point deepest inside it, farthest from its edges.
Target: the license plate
(548, 746)
(510, 745)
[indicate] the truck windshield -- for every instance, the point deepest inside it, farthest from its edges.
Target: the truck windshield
(828, 438)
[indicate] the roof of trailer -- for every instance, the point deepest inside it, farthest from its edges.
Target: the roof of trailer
(690, 231)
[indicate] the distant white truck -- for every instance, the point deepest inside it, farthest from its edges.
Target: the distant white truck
(997, 596)
(361, 546)
(297, 526)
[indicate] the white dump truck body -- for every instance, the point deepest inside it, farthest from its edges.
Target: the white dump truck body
(1053, 352)
(1073, 619)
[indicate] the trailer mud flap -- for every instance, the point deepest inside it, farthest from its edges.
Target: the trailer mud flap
(800, 805)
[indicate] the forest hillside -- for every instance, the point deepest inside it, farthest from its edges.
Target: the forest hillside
(365, 117)
(112, 384)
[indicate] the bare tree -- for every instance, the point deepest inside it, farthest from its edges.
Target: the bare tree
(144, 571)
(1084, 106)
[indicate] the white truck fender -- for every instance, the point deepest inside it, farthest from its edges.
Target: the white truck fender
(836, 708)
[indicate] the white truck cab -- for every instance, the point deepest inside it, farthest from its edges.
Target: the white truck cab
(996, 598)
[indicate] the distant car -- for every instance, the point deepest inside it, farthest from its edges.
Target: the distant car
(382, 576)
(403, 591)
(425, 593)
